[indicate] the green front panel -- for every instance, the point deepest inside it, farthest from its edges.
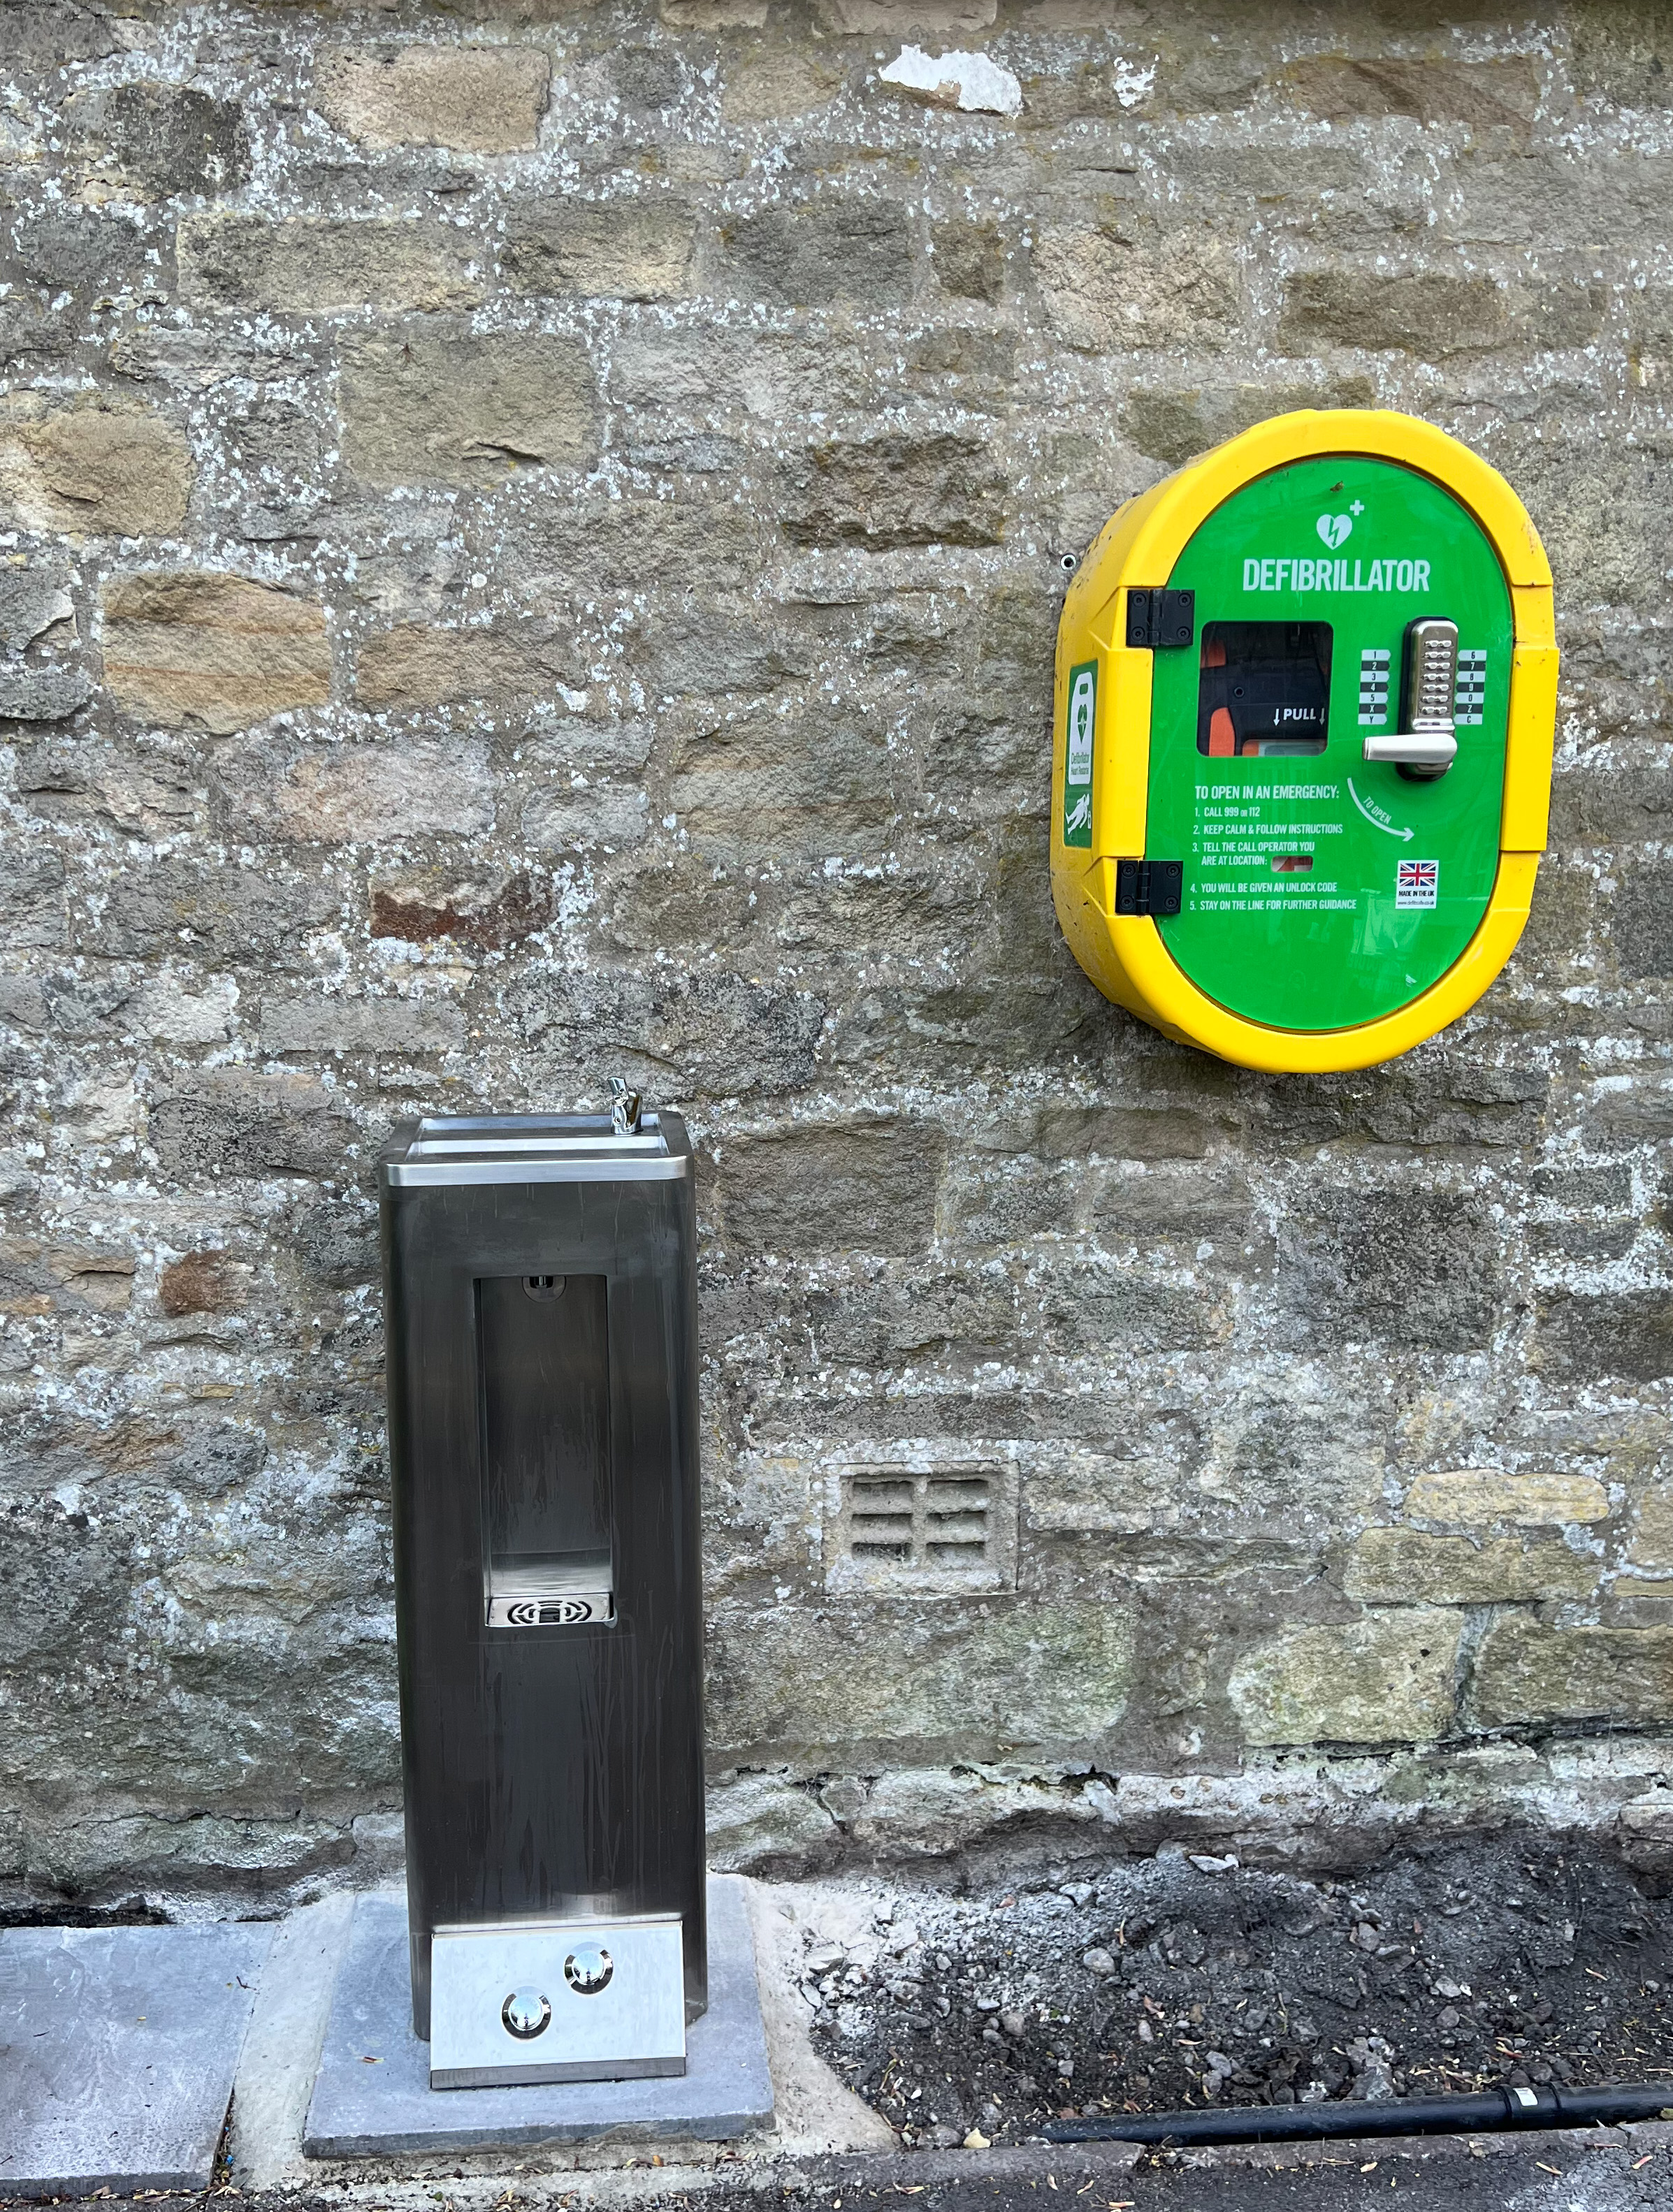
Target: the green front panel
(1298, 911)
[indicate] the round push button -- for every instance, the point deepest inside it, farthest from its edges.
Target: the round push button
(588, 1970)
(526, 2013)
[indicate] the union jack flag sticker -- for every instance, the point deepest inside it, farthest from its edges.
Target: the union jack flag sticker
(1416, 883)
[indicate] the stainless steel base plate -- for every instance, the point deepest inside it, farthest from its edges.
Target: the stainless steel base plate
(556, 2001)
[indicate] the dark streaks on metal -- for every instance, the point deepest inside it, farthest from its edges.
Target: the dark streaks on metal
(553, 1770)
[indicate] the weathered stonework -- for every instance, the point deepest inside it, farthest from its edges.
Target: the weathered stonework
(530, 548)
(213, 651)
(100, 467)
(471, 99)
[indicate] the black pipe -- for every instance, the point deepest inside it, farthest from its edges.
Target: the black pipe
(1474, 2114)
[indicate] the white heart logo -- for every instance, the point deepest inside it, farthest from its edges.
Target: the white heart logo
(1333, 529)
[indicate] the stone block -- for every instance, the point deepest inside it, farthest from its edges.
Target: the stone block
(63, 1581)
(1173, 424)
(1387, 1679)
(1642, 919)
(1120, 1133)
(469, 99)
(794, 81)
(700, 650)
(455, 408)
(1622, 53)
(311, 1022)
(1432, 313)
(1478, 1498)
(337, 1239)
(35, 603)
(638, 249)
(202, 1282)
(1099, 1311)
(587, 815)
(1106, 294)
(1012, 1206)
(1650, 1542)
(118, 2048)
(189, 648)
(1528, 1675)
(778, 786)
(1624, 1333)
(225, 913)
(831, 1187)
(647, 76)
(91, 468)
(154, 141)
(713, 15)
(722, 1036)
(925, 1679)
(1403, 1566)
(756, 1822)
(889, 19)
(1408, 1268)
(49, 694)
(418, 665)
(888, 491)
(970, 260)
(1484, 95)
(31, 910)
(966, 1316)
(1137, 1205)
(488, 909)
(1211, 77)
(1084, 87)
(357, 795)
(817, 253)
(1083, 1492)
(326, 264)
(230, 1122)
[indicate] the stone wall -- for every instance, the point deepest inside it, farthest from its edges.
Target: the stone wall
(532, 546)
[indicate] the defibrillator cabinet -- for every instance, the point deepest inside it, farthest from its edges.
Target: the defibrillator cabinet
(1306, 700)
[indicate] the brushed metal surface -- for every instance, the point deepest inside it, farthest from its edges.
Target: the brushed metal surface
(553, 1770)
(574, 2000)
(535, 1148)
(360, 2109)
(550, 1589)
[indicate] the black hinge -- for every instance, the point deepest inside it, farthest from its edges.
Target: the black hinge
(1158, 618)
(1149, 886)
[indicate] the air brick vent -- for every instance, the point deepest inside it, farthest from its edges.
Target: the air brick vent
(946, 1530)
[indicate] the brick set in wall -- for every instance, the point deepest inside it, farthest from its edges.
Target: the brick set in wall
(531, 547)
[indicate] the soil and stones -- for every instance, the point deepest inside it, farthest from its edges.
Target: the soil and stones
(1157, 1984)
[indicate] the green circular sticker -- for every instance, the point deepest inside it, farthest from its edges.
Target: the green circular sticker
(1323, 890)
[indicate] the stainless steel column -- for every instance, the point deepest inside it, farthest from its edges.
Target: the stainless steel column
(541, 1311)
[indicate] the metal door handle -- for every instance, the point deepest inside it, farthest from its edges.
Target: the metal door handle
(1434, 750)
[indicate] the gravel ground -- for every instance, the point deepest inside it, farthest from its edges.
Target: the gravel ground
(1148, 1985)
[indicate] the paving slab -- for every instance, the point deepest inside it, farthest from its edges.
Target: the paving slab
(372, 2097)
(118, 2050)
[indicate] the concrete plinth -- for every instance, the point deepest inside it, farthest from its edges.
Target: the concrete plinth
(372, 2096)
(118, 2050)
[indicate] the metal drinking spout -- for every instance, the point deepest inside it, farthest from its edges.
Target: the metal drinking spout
(624, 1105)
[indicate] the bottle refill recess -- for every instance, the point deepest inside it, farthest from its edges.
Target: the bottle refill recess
(1306, 693)
(541, 1309)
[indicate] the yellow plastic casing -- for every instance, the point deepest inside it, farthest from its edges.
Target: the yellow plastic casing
(1125, 955)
